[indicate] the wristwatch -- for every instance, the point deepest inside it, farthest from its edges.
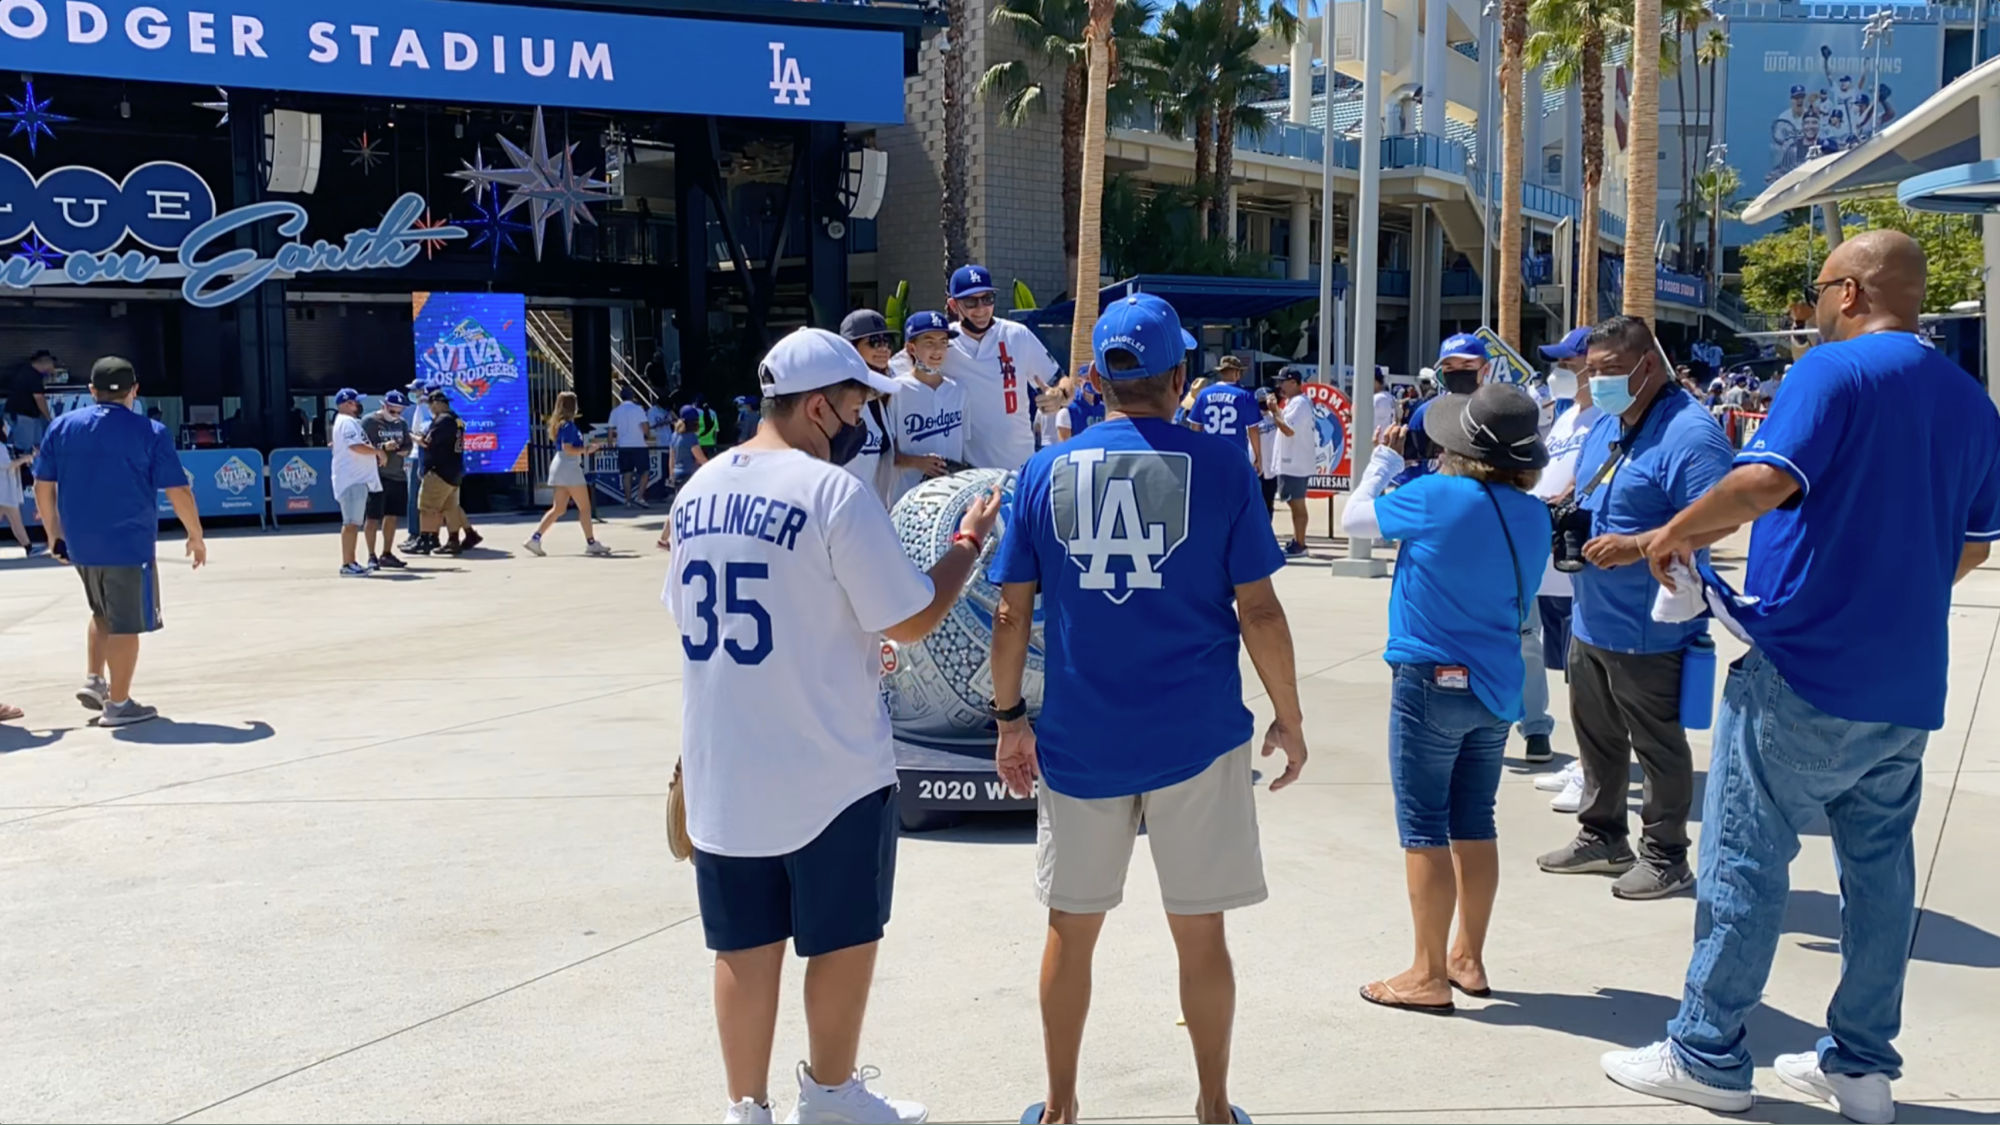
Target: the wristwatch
(1007, 714)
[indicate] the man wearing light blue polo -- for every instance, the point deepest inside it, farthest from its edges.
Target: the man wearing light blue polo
(1860, 534)
(1658, 451)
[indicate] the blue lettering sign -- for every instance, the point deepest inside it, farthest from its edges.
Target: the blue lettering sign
(468, 52)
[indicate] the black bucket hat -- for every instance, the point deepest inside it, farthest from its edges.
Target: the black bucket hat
(1496, 425)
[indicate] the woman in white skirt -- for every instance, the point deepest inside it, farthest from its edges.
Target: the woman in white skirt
(566, 478)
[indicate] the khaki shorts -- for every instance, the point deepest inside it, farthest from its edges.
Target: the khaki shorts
(1203, 833)
(434, 495)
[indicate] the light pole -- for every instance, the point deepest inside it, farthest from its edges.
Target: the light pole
(1486, 100)
(1360, 561)
(1327, 314)
(1876, 32)
(1717, 154)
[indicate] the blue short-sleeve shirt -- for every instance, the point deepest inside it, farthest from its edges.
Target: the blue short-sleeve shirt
(1457, 598)
(108, 464)
(1896, 452)
(567, 435)
(1676, 454)
(1228, 411)
(1139, 532)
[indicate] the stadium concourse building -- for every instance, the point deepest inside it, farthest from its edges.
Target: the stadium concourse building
(261, 201)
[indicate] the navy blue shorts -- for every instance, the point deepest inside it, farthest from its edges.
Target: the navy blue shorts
(830, 895)
(1555, 632)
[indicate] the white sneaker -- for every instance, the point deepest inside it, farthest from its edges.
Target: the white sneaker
(1654, 1070)
(597, 550)
(93, 693)
(534, 547)
(851, 1103)
(747, 1112)
(1571, 797)
(1857, 1097)
(1554, 782)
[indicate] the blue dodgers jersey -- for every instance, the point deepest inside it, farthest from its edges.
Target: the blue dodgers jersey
(1457, 599)
(1228, 411)
(1139, 532)
(1897, 455)
(108, 463)
(1677, 454)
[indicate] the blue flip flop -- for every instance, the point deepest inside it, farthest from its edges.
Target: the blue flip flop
(1237, 1115)
(1033, 1114)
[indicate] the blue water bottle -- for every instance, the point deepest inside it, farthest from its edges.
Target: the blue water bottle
(1698, 684)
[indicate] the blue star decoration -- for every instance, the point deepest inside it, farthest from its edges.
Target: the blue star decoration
(35, 250)
(490, 225)
(547, 183)
(31, 115)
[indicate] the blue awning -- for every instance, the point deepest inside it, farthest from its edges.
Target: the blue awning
(1200, 300)
(1966, 189)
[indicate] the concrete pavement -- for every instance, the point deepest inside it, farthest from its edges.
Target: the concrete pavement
(399, 856)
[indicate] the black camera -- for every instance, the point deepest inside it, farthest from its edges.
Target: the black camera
(1570, 532)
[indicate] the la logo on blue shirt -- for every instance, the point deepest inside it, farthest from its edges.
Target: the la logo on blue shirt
(1130, 506)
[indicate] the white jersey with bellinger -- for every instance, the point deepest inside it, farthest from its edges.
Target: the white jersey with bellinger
(785, 571)
(1000, 371)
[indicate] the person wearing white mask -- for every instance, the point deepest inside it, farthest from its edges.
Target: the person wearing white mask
(1546, 647)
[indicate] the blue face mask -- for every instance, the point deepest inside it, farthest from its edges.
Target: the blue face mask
(1613, 393)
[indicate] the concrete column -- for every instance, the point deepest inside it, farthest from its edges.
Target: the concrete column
(1229, 216)
(1989, 149)
(1302, 226)
(1302, 80)
(1434, 74)
(1423, 278)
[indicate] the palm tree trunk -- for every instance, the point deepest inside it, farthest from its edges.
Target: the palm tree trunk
(1225, 167)
(1076, 80)
(1592, 79)
(1090, 216)
(1642, 166)
(1204, 164)
(952, 219)
(1507, 271)
(1684, 228)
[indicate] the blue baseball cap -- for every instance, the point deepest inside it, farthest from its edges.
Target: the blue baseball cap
(1464, 344)
(1572, 346)
(919, 323)
(970, 281)
(1146, 327)
(744, 400)
(1798, 91)
(395, 398)
(690, 414)
(346, 395)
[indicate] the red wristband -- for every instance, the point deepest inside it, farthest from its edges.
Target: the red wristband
(968, 537)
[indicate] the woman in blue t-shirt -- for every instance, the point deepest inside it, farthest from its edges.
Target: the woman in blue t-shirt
(1474, 544)
(566, 477)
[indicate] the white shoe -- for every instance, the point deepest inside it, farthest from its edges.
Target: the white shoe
(534, 547)
(1655, 1070)
(597, 551)
(851, 1103)
(1857, 1097)
(1554, 782)
(747, 1112)
(1571, 797)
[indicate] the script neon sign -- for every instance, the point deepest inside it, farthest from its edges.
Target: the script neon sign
(221, 278)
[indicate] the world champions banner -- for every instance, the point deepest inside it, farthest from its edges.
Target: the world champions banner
(474, 348)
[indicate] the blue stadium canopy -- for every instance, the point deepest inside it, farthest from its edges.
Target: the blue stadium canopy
(1200, 300)
(1966, 189)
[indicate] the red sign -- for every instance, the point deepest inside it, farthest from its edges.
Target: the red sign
(482, 442)
(1333, 425)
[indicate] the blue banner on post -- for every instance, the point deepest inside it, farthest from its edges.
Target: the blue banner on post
(302, 483)
(226, 482)
(468, 52)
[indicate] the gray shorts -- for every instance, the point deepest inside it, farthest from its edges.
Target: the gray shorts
(1292, 488)
(566, 471)
(1202, 832)
(125, 598)
(354, 505)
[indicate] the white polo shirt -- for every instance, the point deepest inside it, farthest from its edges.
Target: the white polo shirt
(999, 372)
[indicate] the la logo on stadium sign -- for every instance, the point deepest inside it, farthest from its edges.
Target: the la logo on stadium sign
(234, 476)
(789, 84)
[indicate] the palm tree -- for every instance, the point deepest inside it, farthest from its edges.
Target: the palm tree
(1570, 38)
(1053, 31)
(1684, 19)
(1090, 214)
(1642, 169)
(1242, 82)
(952, 215)
(1715, 190)
(1513, 44)
(1201, 72)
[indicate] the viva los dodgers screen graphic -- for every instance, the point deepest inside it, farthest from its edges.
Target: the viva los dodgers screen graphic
(474, 347)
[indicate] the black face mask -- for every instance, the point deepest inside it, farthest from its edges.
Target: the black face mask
(1459, 382)
(845, 443)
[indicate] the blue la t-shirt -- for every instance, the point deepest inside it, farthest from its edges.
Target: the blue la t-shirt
(1227, 410)
(108, 464)
(1897, 455)
(1677, 454)
(1139, 532)
(1457, 599)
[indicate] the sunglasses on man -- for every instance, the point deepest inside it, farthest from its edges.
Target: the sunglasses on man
(879, 340)
(977, 301)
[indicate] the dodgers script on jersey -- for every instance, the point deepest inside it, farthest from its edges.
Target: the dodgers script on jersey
(927, 421)
(785, 570)
(1227, 410)
(1139, 532)
(1000, 372)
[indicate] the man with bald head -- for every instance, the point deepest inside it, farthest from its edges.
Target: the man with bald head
(1864, 519)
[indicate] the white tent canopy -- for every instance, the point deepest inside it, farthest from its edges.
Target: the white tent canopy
(1940, 132)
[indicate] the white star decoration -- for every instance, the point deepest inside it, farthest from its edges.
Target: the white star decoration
(219, 105)
(548, 184)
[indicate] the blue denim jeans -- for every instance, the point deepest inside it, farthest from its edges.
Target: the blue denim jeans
(1779, 766)
(1445, 752)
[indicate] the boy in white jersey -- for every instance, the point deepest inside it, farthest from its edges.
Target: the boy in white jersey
(927, 412)
(1000, 363)
(786, 573)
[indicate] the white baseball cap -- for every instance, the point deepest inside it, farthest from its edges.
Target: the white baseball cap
(812, 358)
